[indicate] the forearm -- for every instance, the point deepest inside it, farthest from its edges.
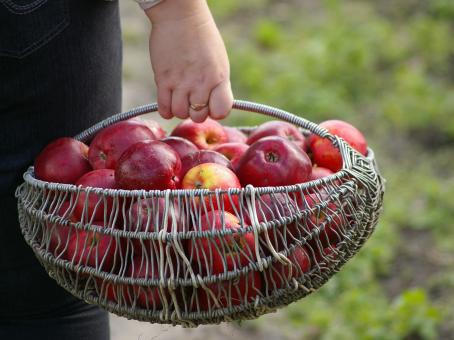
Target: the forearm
(177, 10)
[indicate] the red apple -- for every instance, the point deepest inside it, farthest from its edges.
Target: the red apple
(274, 161)
(148, 216)
(62, 161)
(234, 135)
(110, 143)
(278, 128)
(153, 125)
(58, 237)
(204, 135)
(272, 208)
(279, 275)
(97, 204)
(149, 165)
(148, 297)
(330, 220)
(203, 156)
(228, 293)
(182, 146)
(218, 254)
(233, 151)
(327, 256)
(92, 249)
(213, 176)
(323, 151)
(319, 172)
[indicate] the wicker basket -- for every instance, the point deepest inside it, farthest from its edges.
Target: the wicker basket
(291, 241)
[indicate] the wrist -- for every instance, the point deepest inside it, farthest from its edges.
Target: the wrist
(176, 10)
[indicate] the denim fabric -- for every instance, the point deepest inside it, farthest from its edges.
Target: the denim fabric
(60, 72)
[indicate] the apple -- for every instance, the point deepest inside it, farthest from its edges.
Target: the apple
(219, 254)
(323, 151)
(147, 297)
(278, 128)
(279, 274)
(149, 165)
(93, 249)
(148, 215)
(153, 125)
(204, 135)
(327, 256)
(331, 218)
(234, 135)
(233, 151)
(272, 208)
(110, 143)
(203, 156)
(228, 293)
(274, 161)
(58, 233)
(213, 176)
(97, 206)
(319, 172)
(182, 146)
(62, 161)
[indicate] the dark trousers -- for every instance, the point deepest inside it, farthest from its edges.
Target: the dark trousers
(60, 72)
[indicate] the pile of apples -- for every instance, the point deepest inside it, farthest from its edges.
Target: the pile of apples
(137, 154)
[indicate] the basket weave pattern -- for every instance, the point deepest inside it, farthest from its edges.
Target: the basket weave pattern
(190, 275)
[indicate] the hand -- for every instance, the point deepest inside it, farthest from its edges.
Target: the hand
(189, 61)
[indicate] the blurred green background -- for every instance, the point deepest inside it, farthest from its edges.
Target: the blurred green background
(388, 68)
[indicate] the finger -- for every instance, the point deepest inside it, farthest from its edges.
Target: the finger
(221, 100)
(180, 103)
(200, 96)
(164, 102)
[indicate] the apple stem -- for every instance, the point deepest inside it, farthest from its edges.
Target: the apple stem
(271, 157)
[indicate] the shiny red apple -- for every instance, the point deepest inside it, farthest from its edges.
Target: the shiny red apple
(110, 143)
(149, 165)
(329, 219)
(182, 146)
(230, 292)
(219, 254)
(323, 151)
(279, 274)
(234, 135)
(212, 176)
(95, 206)
(233, 151)
(58, 233)
(93, 249)
(149, 215)
(203, 156)
(204, 135)
(278, 128)
(153, 125)
(319, 172)
(62, 161)
(272, 208)
(274, 161)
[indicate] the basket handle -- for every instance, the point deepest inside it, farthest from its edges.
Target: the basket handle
(237, 104)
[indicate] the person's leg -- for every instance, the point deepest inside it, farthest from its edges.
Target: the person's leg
(86, 322)
(60, 72)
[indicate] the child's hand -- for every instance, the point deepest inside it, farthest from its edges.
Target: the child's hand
(189, 61)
